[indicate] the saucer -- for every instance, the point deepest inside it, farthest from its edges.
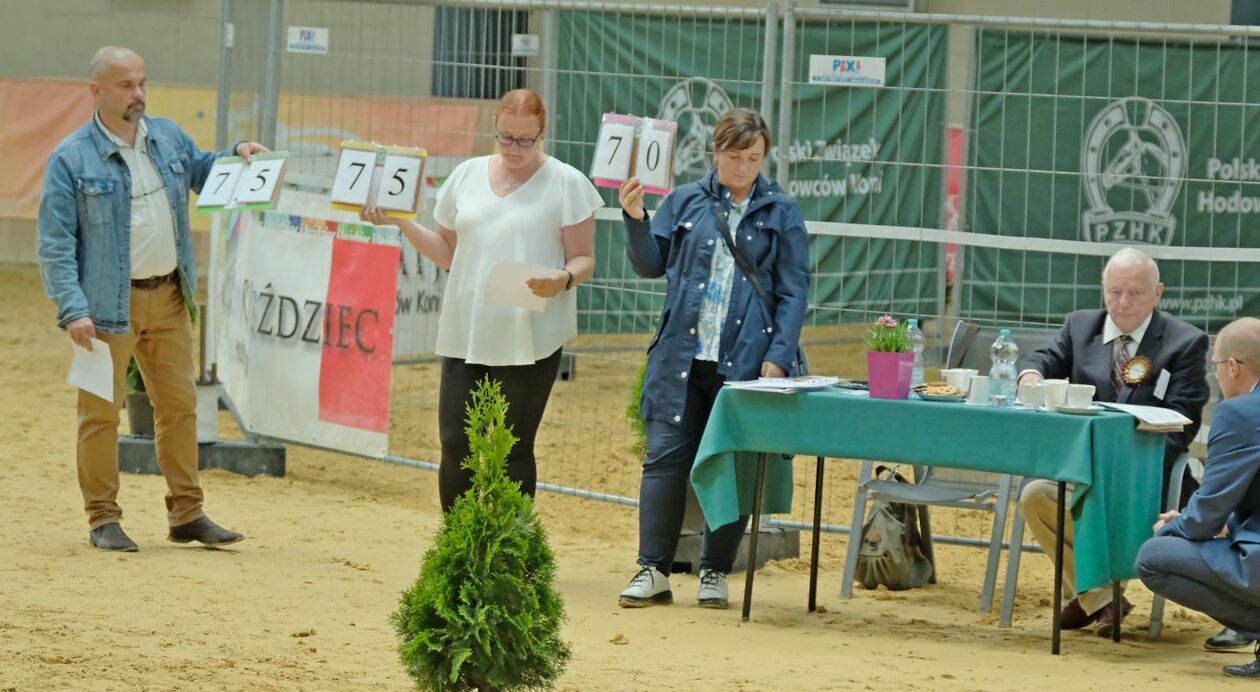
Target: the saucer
(1079, 410)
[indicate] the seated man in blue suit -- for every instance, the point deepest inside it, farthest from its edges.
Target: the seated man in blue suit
(1208, 557)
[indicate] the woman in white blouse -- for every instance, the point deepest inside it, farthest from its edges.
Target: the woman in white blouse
(518, 205)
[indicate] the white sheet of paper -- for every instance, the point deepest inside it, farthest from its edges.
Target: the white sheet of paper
(220, 183)
(399, 179)
(1161, 385)
(506, 285)
(353, 179)
(1153, 415)
(653, 157)
(260, 181)
(93, 371)
(613, 151)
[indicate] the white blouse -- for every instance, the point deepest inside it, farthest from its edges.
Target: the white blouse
(524, 226)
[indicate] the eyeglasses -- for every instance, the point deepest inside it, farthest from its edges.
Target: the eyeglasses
(524, 143)
(1219, 363)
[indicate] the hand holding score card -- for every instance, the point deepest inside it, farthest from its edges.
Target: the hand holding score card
(631, 147)
(631, 197)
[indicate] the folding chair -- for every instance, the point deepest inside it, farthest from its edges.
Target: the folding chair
(940, 487)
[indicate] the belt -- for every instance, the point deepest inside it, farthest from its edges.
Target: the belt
(154, 281)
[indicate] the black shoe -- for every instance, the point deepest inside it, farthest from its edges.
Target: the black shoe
(1246, 670)
(203, 531)
(111, 537)
(1227, 640)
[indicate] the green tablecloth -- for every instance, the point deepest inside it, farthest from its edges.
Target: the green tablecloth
(1116, 470)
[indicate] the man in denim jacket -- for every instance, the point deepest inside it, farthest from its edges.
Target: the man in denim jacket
(116, 255)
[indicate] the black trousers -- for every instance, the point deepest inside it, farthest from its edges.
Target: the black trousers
(526, 388)
(671, 452)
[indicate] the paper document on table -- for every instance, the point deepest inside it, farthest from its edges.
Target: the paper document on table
(786, 385)
(93, 371)
(506, 285)
(1152, 418)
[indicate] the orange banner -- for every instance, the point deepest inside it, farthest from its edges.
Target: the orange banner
(35, 115)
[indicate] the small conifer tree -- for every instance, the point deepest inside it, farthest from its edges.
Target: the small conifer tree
(483, 614)
(637, 423)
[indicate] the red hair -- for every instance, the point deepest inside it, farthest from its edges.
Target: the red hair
(522, 102)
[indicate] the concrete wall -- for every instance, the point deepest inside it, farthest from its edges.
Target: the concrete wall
(56, 38)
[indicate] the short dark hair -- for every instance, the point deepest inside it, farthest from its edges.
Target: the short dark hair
(739, 129)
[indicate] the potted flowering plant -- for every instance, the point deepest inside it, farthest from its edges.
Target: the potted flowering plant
(889, 359)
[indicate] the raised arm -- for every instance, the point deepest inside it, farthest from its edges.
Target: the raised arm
(647, 240)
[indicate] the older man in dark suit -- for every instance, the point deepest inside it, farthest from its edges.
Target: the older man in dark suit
(1208, 557)
(1132, 353)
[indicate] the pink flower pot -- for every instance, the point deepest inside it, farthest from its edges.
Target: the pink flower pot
(888, 374)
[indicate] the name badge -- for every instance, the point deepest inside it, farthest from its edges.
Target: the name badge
(1161, 385)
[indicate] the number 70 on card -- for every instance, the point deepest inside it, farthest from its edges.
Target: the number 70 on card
(630, 147)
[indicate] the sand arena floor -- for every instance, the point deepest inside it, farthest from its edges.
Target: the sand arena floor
(303, 603)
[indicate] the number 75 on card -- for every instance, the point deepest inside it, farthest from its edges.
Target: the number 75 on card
(234, 184)
(386, 177)
(630, 147)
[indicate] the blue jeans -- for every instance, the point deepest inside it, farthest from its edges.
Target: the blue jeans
(671, 451)
(1174, 568)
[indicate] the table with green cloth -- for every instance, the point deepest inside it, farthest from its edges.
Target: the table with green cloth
(1116, 470)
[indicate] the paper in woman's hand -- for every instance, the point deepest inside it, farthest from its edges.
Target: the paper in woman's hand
(506, 285)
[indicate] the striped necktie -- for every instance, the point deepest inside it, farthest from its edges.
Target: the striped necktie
(1118, 361)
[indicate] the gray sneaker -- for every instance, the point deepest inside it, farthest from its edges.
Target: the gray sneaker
(713, 592)
(647, 587)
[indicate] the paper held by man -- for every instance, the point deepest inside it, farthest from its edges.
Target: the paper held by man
(1152, 418)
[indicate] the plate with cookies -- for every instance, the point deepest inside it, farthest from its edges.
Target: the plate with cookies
(939, 391)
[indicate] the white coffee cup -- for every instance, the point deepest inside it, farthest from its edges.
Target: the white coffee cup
(1080, 395)
(1032, 394)
(1056, 392)
(979, 393)
(959, 377)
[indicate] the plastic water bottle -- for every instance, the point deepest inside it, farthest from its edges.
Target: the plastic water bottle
(1002, 375)
(917, 342)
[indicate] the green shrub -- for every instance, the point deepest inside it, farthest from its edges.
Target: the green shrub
(135, 382)
(632, 412)
(483, 614)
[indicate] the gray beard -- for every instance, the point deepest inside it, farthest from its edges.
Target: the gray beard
(133, 113)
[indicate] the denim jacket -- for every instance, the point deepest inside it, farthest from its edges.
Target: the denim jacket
(85, 220)
(678, 243)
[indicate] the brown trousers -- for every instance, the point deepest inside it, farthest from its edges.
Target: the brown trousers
(161, 339)
(1039, 503)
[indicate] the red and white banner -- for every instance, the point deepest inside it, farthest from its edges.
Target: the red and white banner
(305, 321)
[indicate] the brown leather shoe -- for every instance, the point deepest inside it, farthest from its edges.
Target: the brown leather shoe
(203, 531)
(111, 537)
(1074, 616)
(1107, 619)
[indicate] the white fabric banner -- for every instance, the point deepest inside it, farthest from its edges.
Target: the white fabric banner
(306, 320)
